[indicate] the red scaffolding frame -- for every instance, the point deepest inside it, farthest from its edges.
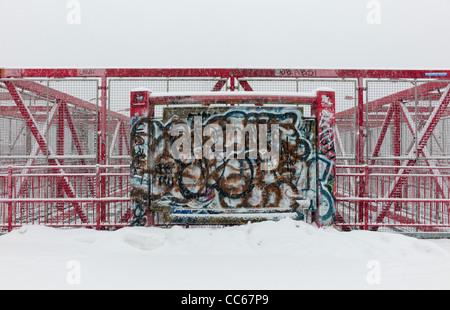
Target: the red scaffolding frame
(394, 114)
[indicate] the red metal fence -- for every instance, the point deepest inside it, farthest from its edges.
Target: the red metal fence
(64, 141)
(407, 199)
(36, 195)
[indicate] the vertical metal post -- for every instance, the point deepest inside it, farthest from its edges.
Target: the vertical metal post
(102, 160)
(60, 150)
(360, 146)
(415, 137)
(60, 133)
(10, 196)
(141, 111)
(325, 112)
(103, 120)
(366, 204)
(360, 123)
(397, 132)
(396, 144)
(151, 134)
(97, 195)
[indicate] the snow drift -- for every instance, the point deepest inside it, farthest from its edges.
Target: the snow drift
(270, 255)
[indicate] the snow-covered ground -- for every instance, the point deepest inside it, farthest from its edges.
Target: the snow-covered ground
(271, 255)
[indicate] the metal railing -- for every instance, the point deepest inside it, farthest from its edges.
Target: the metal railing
(64, 196)
(404, 198)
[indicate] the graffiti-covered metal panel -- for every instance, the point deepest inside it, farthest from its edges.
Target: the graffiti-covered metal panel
(228, 159)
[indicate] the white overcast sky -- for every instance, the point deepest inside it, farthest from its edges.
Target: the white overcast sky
(412, 34)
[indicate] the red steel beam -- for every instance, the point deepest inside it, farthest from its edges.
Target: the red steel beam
(60, 151)
(75, 137)
(397, 132)
(7, 97)
(224, 72)
(76, 140)
(32, 125)
(397, 144)
(39, 112)
(422, 141)
(382, 134)
(361, 184)
(125, 136)
(54, 94)
(245, 85)
(21, 185)
(400, 96)
(102, 157)
(60, 133)
(232, 97)
(219, 85)
(422, 152)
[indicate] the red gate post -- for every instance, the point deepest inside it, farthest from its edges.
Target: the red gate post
(60, 151)
(325, 113)
(366, 204)
(397, 151)
(97, 195)
(141, 110)
(360, 148)
(232, 85)
(102, 149)
(10, 196)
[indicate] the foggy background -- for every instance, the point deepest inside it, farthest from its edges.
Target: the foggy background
(411, 34)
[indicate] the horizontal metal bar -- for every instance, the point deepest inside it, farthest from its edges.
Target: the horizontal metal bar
(53, 175)
(68, 167)
(409, 158)
(410, 175)
(63, 200)
(346, 157)
(224, 72)
(88, 225)
(64, 175)
(6, 157)
(362, 199)
(119, 157)
(396, 175)
(398, 224)
(392, 167)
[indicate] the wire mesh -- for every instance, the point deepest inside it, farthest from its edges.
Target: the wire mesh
(119, 101)
(346, 101)
(396, 114)
(65, 112)
(73, 139)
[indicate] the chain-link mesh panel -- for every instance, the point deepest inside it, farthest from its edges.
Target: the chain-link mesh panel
(397, 115)
(119, 101)
(79, 122)
(346, 101)
(65, 112)
(16, 141)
